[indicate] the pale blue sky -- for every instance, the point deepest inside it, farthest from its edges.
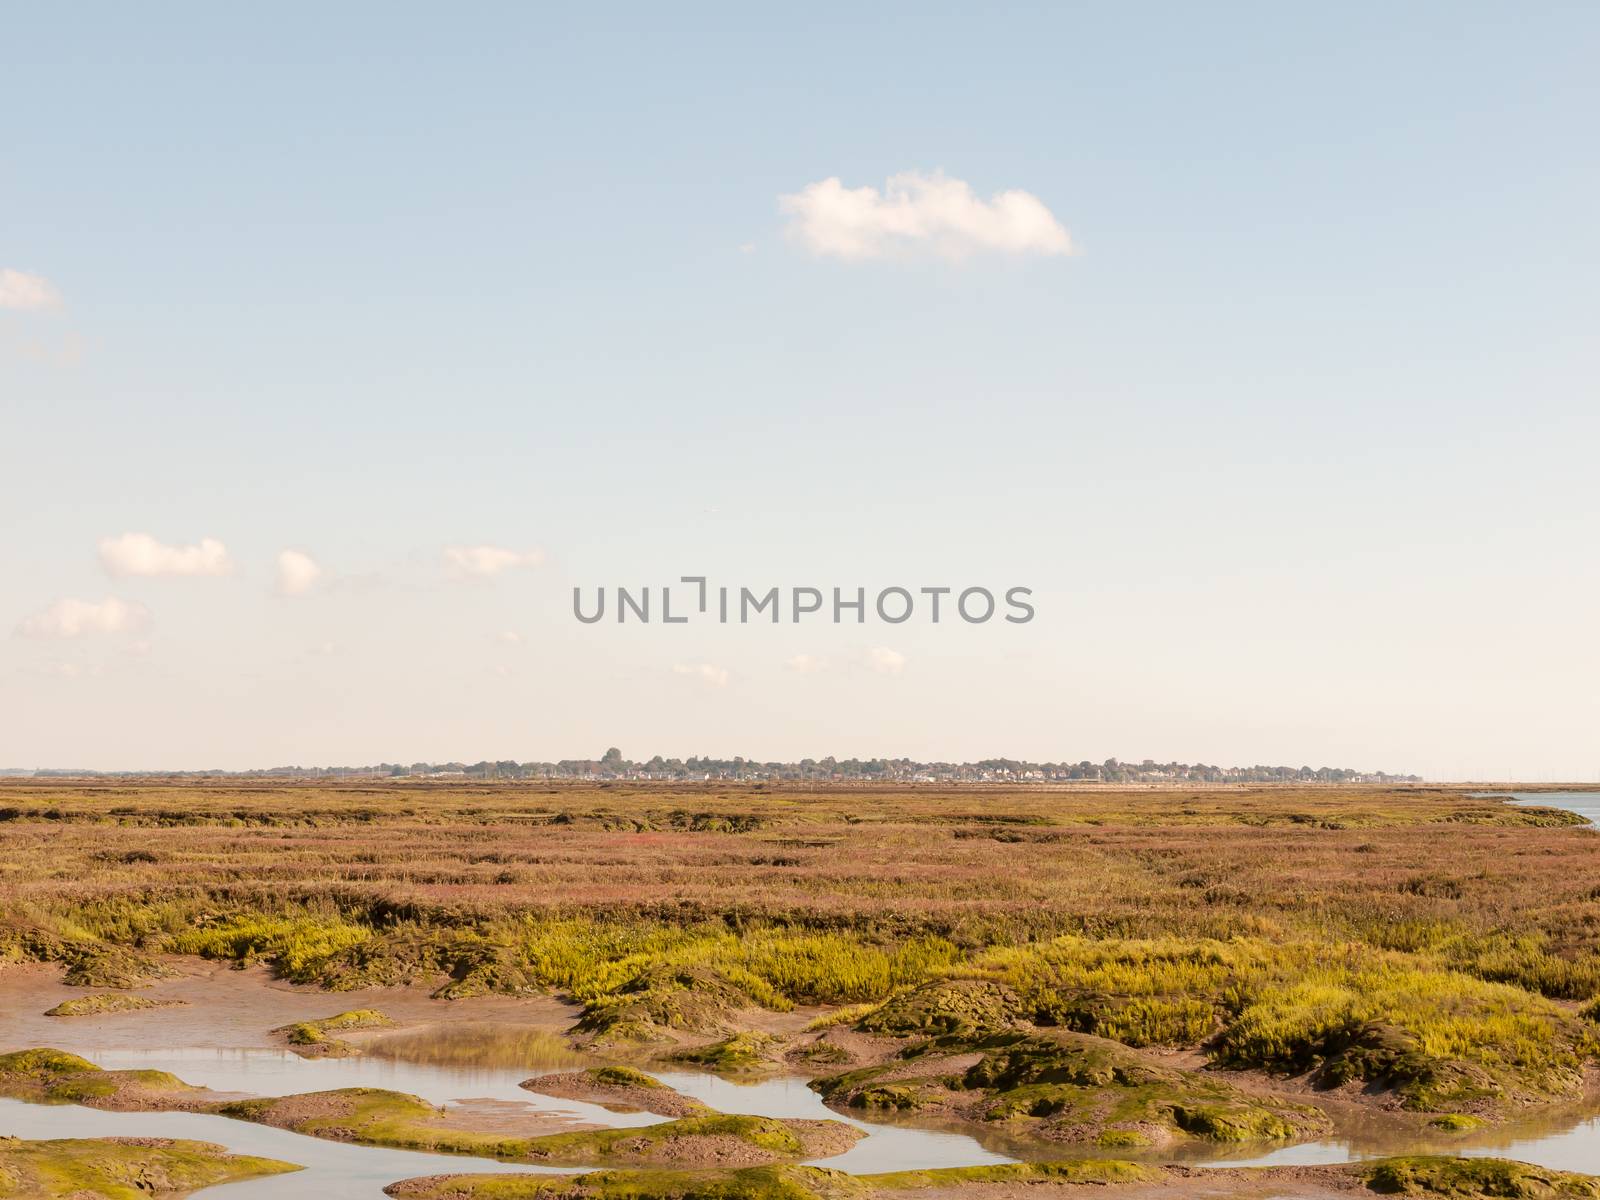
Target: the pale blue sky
(1297, 448)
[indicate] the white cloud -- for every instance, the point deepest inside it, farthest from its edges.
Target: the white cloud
(18, 289)
(141, 554)
(297, 573)
(485, 562)
(806, 664)
(508, 637)
(885, 660)
(74, 618)
(712, 676)
(919, 214)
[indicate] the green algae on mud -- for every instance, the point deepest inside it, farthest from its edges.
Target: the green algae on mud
(311, 1039)
(46, 1076)
(756, 1183)
(1430, 1175)
(1445, 1178)
(121, 1168)
(374, 1117)
(103, 1003)
(745, 1183)
(741, 1054)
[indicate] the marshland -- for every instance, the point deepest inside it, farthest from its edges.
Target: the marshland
(751, 991)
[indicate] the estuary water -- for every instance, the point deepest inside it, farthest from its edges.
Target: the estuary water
(1585, 804)
(1560, 1145)
(1568, 1140)
(338, 1171)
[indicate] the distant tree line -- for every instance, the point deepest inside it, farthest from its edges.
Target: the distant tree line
(612, 765)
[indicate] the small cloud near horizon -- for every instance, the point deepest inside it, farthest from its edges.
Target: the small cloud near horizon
(26, 292)
(485, 562)
(141, 554)
(298, 573)
(886, 661)
(919, 214)
(806, 664)
(707, 673)
(69, 618)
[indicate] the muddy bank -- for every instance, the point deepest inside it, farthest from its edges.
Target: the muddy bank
(208, 1004)
(377, 1117)
(621, 1089)
(1478, 1179)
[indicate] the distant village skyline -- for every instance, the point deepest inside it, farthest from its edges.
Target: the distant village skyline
(612, 765)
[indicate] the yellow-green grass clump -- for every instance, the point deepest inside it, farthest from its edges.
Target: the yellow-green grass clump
(847, 1014)
(120, 1169)
(107, 1002)
(1457, 1122)
(944, 1007)
(741, 1054)
(635, 978)
(1346, 1012)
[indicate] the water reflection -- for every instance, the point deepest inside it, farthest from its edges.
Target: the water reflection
(480, 1044)
(885, 1148)
(280, 1073)
(332, 1169)
(464, 1064)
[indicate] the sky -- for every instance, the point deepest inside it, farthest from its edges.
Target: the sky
(339, 344)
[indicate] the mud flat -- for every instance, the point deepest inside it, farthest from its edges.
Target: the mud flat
(961, 976)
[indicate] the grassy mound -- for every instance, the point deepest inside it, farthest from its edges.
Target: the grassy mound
(107, 1002)
(46, 1076)
(1442, 1037)
(1071, 1088)
(944, 1007)
(617, 1087)
(120, 1169)
(641, 1010)
(738, 1055)
(314, 1038)
(1475, 1179)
